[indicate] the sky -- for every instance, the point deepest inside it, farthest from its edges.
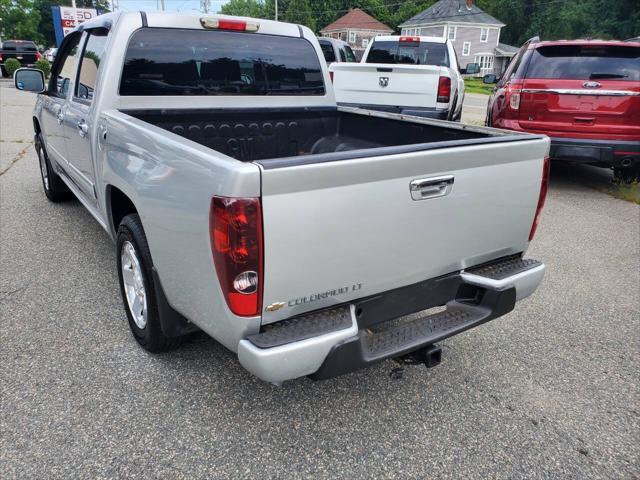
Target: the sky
(170, 5)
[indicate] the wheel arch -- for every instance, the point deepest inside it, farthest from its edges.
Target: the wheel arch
(119, 205)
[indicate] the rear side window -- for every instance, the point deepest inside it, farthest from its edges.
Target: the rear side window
(207, 62)
(586, 62)
(409, 53)
(327, 51)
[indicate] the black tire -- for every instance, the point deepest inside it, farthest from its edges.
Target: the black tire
(626, 174)
(150, 336)
(53, 186)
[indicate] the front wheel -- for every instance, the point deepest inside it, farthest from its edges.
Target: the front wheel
(137, 287)
(54, 188)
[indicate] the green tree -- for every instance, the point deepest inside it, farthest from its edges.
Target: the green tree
(19, 20)
(300, 11)
(244, 8)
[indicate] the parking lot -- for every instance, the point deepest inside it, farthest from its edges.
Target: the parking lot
(548, 391)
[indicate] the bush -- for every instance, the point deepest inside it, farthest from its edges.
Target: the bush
(11, 65)
(44, 65)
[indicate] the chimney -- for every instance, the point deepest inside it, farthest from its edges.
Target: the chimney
(469, 4)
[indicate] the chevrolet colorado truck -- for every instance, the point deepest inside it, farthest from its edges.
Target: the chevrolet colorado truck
(410, 75)
(243, 202)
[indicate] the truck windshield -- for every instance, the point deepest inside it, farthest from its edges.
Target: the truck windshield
(409, 53)
(206, 62)
(586, 62)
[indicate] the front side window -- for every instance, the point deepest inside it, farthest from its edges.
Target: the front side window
(327, 51)
(409, 53)
(212, 62)
(484, 34)
(452, 32)
(91, 57)
(63, 73)
(348, 53)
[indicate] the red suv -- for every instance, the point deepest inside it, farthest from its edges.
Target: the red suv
(584, 94)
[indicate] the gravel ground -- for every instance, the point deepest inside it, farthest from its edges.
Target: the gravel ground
(548, 391)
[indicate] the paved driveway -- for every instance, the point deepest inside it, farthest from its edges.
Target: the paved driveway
(549, 391)
(474, 108)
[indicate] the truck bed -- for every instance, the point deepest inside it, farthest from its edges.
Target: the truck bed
(282, 137)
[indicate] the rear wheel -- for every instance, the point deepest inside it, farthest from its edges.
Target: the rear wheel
(54, 188)
(627, 174)
(137, 286)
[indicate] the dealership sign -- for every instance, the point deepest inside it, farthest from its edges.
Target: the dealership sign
(66, 19)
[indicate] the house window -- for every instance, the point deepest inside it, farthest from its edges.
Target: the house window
(451, 34)
(352, 37)
(485, 62)
(466, 49)
(365, 42)
(484, 35)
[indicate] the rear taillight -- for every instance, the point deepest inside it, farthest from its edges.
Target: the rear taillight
(0, 57)
(331, 76)
(514, 99)
(226, 24)
(444, 90)
(236, 243)
(544, 186)
(38, 56)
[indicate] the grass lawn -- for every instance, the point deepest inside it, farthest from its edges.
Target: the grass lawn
(475, 85)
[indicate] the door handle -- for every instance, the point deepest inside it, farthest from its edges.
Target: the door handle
(431, 187)
(60, 117)
(83, 128)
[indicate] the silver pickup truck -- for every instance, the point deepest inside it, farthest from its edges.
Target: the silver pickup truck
(310, 239)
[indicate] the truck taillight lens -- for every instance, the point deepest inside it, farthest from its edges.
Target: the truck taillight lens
(236, 243)
(514, 100)
(331, 76)
(444, 89)
(38, 56)
(544, 186)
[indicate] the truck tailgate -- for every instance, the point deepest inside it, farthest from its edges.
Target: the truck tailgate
(339, 230)
(386, 84)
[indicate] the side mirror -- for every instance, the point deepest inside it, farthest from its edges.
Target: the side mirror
(490, 78)
(472, 68)
(29, 80)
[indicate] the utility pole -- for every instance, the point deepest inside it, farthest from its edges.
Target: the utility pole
(162, 5)
(276, 2)
(75, 13)
(205, 5)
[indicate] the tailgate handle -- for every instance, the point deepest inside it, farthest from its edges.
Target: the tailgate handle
(431, 187)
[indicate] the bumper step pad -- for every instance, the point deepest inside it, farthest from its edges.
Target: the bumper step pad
(368, 348)
(505, 268)
(302, 328)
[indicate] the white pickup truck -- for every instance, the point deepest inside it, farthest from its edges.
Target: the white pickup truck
(410, 75)
(244, 203)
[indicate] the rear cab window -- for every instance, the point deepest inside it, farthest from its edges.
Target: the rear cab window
(327, 51)
(586, 62)
(206, 62)
(408, 53)
(20, 46)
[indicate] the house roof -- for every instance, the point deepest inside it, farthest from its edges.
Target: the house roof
(359, 19)
(504, 50)
(454, 11)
